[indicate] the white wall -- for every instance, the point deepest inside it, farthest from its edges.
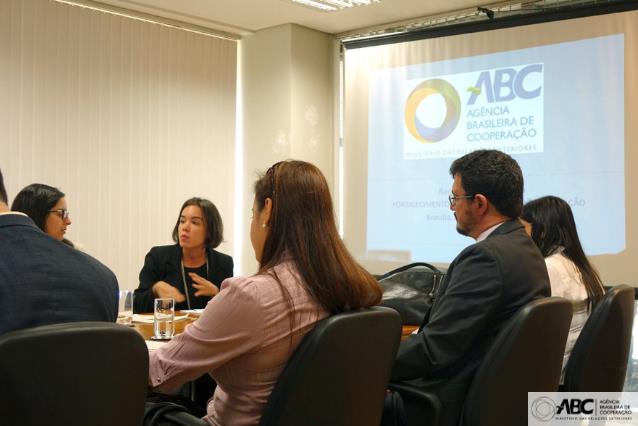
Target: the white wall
(287, 103)
(127, 118)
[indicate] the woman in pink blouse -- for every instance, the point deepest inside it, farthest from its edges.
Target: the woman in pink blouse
(247, 333)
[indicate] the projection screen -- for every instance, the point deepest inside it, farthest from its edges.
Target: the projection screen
(560, 97)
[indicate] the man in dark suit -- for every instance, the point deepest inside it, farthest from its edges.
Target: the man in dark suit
(485, 285)
(43, 281)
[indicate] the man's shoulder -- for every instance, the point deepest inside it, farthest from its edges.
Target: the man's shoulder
(511, 244)
(506, 237)
(32, 249)
(11, 219)
(80, 262)
(19, 233)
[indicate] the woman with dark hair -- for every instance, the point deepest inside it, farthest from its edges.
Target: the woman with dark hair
(571, 276)
(190, 270)
(247, 333)
(46, 206)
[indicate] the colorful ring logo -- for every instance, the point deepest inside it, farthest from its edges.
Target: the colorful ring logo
(419, 130)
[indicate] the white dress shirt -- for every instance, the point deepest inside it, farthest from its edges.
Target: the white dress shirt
(566, 281)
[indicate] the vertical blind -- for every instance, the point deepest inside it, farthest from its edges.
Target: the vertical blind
(128, 118)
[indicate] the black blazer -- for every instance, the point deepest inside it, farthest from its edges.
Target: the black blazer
(485, 285)
(163, 263)
(44, 281)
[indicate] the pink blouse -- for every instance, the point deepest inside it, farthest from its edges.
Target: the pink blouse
(243, 340)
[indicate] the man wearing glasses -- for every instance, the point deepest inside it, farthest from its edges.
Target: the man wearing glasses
(486, 284)
(45, 282)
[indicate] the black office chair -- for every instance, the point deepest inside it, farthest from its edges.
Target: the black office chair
(75, 374)
(598, 361)
(421, 408)
(339, 373)
(526, 356)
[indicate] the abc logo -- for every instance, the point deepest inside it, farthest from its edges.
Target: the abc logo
(420, 131)
(576, 406)
(506, 84)
(544, 409)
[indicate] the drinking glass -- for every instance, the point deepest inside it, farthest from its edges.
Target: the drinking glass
(164, 318)
(125, 308)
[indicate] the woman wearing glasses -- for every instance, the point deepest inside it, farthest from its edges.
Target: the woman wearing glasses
(246, 334)
(46, 206)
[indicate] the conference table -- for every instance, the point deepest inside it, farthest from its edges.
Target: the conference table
(145, 328)
(406, 330)
(143, 323)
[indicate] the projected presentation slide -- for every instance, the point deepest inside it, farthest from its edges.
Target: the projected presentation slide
(557, 109)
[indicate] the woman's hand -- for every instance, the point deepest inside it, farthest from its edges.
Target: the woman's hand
(203, 286)
(164, 290)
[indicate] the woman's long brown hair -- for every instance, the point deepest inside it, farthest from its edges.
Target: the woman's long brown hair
(302, 228)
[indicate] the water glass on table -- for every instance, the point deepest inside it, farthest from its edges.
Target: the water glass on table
(125, 308)
(164, 318)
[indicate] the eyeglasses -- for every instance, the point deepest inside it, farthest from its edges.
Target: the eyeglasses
(452, 198)
(63, 213)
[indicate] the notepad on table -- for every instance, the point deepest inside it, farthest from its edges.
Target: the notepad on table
(148, 318)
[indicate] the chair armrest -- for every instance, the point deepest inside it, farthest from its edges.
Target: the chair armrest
(421, 408)
(183, 418)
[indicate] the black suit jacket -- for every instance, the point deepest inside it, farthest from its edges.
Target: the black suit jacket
(44, 281)
(164, 263)
(485, 285)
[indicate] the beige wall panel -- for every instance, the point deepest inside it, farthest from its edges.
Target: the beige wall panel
(287, 107)
(127, 118)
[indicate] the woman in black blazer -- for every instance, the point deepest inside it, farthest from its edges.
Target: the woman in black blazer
(189, 271)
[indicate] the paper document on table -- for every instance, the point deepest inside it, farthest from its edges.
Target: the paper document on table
(195, 312)
(154, 345)
(148, 318)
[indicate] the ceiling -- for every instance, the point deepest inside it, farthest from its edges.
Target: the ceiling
(242, 17)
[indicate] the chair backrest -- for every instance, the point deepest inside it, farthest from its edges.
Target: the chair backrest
(74, 374)
(339, 372)
(526, 356)
(598, 361)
